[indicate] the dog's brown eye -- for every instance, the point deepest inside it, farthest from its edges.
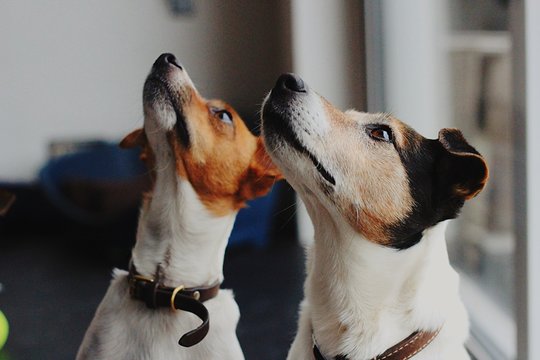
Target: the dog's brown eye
(224, 116)
(382, 133)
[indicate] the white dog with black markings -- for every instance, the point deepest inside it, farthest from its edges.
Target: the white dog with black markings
(206, 165)
(379, 284)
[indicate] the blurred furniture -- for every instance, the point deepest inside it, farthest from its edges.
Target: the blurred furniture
(96, 183)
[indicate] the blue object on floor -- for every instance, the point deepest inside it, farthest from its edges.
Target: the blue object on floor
(101, 162)
(106, 163)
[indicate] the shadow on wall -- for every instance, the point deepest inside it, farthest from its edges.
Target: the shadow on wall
(252, 47)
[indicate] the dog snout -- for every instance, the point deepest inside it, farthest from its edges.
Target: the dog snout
(166, 60)
(291, 82)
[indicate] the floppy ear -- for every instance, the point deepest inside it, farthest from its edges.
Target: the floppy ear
(260, 176)
(462, 171)
(133, 139)
(138, 138)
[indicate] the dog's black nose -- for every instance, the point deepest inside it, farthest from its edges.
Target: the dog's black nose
(291, 82)
(167, 59)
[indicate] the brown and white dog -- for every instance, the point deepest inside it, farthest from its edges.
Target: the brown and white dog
(379, 195)
(206, 165)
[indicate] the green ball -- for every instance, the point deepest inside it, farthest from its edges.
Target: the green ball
(4, 329)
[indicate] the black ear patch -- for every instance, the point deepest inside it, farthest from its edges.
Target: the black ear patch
(461, 168)
(442, 174)
(461, 173)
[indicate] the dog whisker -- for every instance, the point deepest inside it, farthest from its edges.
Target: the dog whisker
(288, 220)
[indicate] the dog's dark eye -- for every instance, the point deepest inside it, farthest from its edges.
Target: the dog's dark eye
(224, 116)
(381, 133)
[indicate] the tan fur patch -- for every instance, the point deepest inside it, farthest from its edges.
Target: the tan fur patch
(225, 163)
(374, 192)
(222, 159)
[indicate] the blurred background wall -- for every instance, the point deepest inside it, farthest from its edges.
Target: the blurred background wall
(75, 70)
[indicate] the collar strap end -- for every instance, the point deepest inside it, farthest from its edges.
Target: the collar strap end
(150, 291)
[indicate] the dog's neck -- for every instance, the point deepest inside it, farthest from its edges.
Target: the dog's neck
(177, 233)
(364, 297)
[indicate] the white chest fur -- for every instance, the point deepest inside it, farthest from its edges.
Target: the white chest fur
(362, 298)
(177, 232)
(126, 329)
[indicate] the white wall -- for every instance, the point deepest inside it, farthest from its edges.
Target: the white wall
(416, 63)
(327, 49)
(75, 69)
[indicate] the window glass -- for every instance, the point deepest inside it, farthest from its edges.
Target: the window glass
(480, 69)
(447, 63)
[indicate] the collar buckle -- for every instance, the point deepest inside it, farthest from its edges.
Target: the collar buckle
(134, 279)
(173, 296)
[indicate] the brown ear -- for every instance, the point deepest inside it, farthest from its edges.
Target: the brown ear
(260, 176)
(133, 139)
(461, 169)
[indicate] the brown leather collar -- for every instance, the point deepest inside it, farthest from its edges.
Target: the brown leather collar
(155, 295)
(403, 350)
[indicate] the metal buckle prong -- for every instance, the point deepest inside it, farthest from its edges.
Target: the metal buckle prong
(143, 278)
(133, 280)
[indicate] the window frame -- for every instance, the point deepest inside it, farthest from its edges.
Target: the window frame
(525, 27)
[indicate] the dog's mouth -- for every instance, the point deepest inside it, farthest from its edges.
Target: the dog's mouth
(277, 119)
(290, 137)
(324, 173)
(321, 169)
(168, 89)
(158, 90)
